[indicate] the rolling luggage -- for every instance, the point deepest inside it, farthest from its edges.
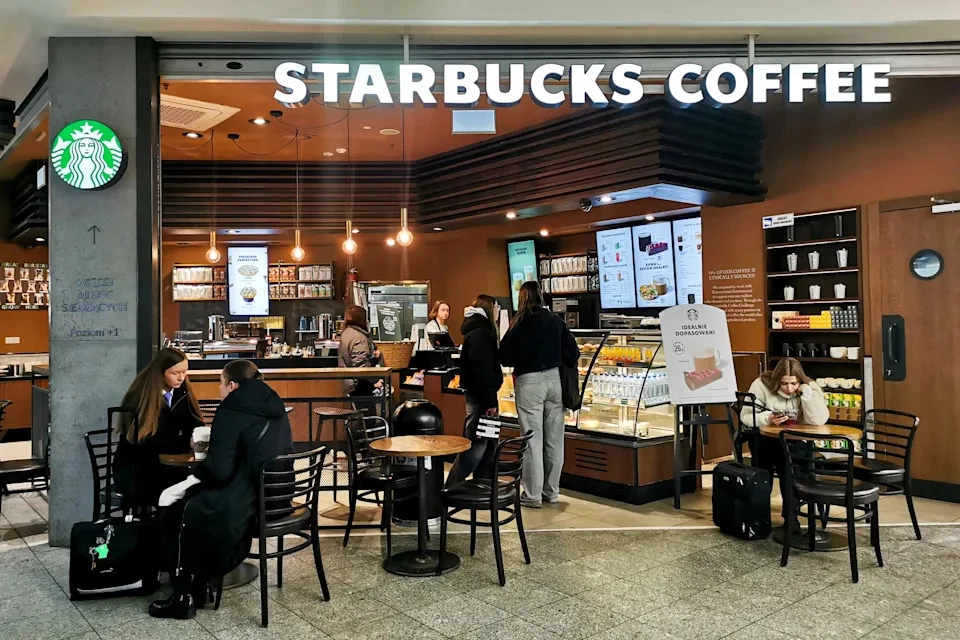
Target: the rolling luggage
(741, 500)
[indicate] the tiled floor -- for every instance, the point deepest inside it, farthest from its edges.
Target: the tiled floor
(590, 578)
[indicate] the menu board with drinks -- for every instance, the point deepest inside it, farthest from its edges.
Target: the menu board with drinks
(688, 255)
(615, 256)
(653, 259)
(522, 261)
(247, 269)
(24, 286)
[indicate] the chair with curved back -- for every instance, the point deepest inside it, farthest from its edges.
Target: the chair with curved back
(501, 492)
(885, 460)
(825, 476)
(101, 447)
(744, 431)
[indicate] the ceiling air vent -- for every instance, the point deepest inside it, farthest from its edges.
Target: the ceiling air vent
(192, 115)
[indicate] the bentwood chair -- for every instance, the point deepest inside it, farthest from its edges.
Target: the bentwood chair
(288, 506)
(496, 494)
(745, 431)
(885, 460)
(101, 447)
(813, 478)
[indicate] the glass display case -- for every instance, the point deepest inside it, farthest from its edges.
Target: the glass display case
(623, 386)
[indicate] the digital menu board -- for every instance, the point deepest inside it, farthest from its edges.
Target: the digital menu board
(248, 288)
(688, 257)
(653, 259)
(522, 262)
(615, 255)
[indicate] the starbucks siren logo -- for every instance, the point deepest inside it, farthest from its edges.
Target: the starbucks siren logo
(87, 155)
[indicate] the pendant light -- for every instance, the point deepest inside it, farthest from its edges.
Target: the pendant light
(349, 245)
(404, 236)
(297, 253)
(213, 254)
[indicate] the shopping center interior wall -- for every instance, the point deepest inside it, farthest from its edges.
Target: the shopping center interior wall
(31, 326)
(819, 157)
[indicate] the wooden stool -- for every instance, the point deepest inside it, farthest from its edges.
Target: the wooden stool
(333, 438)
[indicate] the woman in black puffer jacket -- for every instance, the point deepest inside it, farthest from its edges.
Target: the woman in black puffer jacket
(480, 379)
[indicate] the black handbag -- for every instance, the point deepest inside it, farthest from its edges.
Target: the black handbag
(112, 556)
(570, 388)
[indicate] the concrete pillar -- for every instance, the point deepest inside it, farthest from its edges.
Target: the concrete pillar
(104, 248)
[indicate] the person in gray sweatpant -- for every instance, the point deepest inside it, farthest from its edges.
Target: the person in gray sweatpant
(536, 345)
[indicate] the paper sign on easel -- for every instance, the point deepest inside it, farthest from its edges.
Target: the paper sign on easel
(696, 346)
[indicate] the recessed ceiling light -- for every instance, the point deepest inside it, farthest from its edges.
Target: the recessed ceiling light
(41, 239)
(390, 132)
(367, 127)
(327, 153)
(233, 230)
(438, 228)
(341, 150)
(649, 218)
(391, 242)
(511, 215)
(606, 198)
(544, 233)
(355, 230)
(259, 121)
(192, 134)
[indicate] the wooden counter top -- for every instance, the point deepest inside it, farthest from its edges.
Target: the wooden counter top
(320, 373)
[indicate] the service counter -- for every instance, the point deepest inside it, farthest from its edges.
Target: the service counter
(291, 382)
(282, 362)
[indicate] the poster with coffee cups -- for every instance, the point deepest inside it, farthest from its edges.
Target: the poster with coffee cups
(615, 257)
(688, 256)
(247, 270)
(522, 262)
(653, 262)
(696, 346)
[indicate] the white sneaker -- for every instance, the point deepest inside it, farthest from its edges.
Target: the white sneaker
(527, 501)
(553, 500)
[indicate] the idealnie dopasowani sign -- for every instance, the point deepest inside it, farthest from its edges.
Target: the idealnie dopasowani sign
(87, 155)
(551, 85)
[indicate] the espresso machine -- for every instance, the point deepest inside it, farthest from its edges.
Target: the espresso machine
(215, 328)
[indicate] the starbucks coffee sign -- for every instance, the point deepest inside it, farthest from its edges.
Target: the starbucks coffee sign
(87, 155)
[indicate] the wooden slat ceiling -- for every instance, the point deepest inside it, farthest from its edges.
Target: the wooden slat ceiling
(696, 155)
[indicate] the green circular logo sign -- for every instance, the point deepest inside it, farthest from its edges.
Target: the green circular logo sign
(87, 154)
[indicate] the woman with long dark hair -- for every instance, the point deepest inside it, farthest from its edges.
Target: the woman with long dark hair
(207, 533)
(537, 343)
(167, 412)
(480, 379)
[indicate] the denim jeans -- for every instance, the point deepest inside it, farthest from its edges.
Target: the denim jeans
(478, 460)
(540, 410)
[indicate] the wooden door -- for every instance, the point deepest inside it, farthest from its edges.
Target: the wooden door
(930, 349)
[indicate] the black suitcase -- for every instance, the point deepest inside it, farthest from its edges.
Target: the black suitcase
(741, 500)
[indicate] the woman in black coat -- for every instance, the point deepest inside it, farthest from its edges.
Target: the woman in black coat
(208, 532)
(480, 379)
(167, 413)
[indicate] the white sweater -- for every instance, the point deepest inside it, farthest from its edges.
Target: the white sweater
(809, 405)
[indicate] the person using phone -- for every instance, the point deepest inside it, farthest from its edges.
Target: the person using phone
(785, 396)
(480, 379)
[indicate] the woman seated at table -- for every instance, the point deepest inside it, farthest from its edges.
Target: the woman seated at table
(784, 396)
(358, 350)
(206, 530)
(167, 413)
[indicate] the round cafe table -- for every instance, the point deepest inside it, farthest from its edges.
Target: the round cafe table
(247, 572)
(421, 561)
(825, 540)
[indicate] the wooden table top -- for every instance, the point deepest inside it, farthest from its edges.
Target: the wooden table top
(421, 446)
(825, 430)
(178, 459)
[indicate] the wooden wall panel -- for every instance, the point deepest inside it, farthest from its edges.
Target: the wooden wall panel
(18, 415)
(655, 463)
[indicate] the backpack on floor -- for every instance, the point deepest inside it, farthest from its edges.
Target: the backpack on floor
(741, 500)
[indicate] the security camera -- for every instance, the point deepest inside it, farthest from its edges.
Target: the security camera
(586, 204)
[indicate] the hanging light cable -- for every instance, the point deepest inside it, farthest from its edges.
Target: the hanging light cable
(297, 253)
(213, 254)
(404, 236)
(349, 245)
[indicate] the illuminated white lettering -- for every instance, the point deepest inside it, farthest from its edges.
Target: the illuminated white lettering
(514, 92)
(289, 75)
(764, 78)
(738, 83)
(583, 85)
(675, 90)
(370, 82)
(460, 84)
(538, 89)
(625, 83)
(331, 73)
(417, 80)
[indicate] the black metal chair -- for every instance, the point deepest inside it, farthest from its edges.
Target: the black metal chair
(288, 506)
(816, 478)
(888, 436)
(744, 431)
(372, 473)
(101, 447)
(493, 494)
(331, 433)
(34, 470)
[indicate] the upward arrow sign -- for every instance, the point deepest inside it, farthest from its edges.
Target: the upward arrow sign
(94, 229)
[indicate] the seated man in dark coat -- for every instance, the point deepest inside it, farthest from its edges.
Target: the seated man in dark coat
(208, 532)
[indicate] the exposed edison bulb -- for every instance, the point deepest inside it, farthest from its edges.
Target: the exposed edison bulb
(349, 246)
(297, 253)
(391, 242)
(404, 237)
(213, 255)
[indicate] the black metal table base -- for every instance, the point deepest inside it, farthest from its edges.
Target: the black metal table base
(825, 540)
(414, 565)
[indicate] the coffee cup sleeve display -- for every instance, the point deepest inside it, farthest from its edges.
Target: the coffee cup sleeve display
(177, 491)
(698, 379)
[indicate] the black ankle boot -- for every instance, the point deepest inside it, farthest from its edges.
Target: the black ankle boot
(177, 607)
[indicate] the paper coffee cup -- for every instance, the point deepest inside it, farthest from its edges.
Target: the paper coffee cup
(201, 442)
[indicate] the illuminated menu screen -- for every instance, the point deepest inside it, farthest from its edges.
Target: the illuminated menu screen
(653, 258)
(615, 255)
(522, 260)
(688, 256)
(247, 272)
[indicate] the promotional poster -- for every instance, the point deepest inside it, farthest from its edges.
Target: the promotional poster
(696, 346)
